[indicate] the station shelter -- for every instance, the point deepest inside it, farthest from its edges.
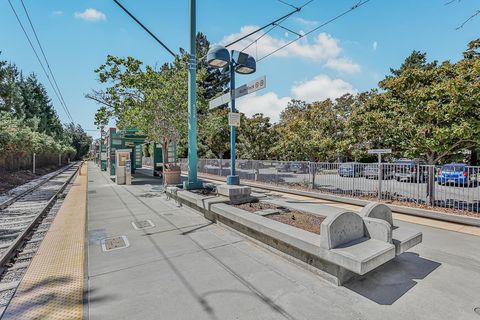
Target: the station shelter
(131, 138)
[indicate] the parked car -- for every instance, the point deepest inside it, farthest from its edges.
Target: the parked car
(298, 167)
(457, 174)
(371, 171)
(283, 167)
(410, 170)
(351, 169)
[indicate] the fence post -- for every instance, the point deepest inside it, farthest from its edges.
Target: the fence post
(380, 176)
(34, 162)
(431, 185)
(313, 171)
(59, 159)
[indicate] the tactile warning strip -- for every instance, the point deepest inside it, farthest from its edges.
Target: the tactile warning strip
(52, 287)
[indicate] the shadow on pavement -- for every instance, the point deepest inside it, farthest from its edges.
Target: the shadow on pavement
(50, 297)
(391, 281)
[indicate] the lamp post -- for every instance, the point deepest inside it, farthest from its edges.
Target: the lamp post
(192, 182)
(242, 63)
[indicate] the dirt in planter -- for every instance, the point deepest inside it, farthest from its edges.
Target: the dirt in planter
(257, 206)
(299, 219)
(302, 220)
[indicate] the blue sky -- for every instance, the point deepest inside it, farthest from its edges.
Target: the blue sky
(349, 55)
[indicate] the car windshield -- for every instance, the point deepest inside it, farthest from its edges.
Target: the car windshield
(346, 166)
(453, 168)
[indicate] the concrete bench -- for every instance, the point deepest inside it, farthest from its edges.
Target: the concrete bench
(402, 238)
(348, 244)
(356, 244)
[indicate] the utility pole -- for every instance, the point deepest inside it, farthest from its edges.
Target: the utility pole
(192, 182)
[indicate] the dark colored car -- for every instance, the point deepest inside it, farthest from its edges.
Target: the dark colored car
(298, 167)
(457, 174)
(351, 169)
(411, 170)
(283, 167)
(371, 171)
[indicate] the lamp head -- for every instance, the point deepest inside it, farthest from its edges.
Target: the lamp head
(248, 66)
(218, 57)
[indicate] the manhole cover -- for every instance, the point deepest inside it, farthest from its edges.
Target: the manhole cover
(114, 243)
(477, 310)
(144, 224)
(92, 191)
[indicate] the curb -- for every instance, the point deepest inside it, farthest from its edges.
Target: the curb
(431, 214)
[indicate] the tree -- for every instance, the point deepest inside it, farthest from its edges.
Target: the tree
(308, 131)
(78, 139)
(423, 111)
(139, 96)
(256, 138)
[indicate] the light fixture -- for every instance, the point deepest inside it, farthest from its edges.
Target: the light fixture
(218, 57)
(248, 66)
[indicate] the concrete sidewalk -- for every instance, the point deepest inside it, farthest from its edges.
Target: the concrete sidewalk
(187, 268)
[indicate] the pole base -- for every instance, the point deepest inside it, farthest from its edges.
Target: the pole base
(189, 185)
(233, 180)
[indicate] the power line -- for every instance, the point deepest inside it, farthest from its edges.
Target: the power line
(39, 60)
(46, 60)
(359, 4)
(145, 28)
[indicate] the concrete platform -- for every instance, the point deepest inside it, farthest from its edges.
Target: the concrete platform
(188, 268)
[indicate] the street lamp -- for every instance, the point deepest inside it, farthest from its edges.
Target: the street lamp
(242, 63)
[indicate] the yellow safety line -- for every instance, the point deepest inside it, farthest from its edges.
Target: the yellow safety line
(52, 287)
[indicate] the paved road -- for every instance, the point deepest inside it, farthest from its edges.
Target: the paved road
(187, 268)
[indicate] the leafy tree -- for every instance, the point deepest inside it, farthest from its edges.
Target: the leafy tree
(78, 138)
(256, 138)
(424, 110)
(308, 131)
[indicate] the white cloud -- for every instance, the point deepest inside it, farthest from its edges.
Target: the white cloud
(305, 22)
(57, 13)
(323, 47)
(343, 65)
(91, 15)
(270, 104)
(375, 45)
(321, 87)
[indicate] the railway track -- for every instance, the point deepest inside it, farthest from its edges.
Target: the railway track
(23, 224)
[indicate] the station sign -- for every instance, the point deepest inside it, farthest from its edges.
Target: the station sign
(250, 87)
(379, 151)
(234, 119)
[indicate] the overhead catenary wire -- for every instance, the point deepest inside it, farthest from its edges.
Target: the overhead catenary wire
(145, 28)
(46, 60)
(359, 4)
(40, 61)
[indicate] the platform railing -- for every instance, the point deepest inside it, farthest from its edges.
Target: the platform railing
(423, 185)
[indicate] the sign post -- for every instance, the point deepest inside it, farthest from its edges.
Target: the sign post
(379, 152)
(234, 116)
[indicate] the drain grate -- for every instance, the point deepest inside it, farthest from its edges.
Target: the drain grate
(168, 214)
(477, 310)
(91, 181)
(92, 191)
(115, 243)
(143, 224)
